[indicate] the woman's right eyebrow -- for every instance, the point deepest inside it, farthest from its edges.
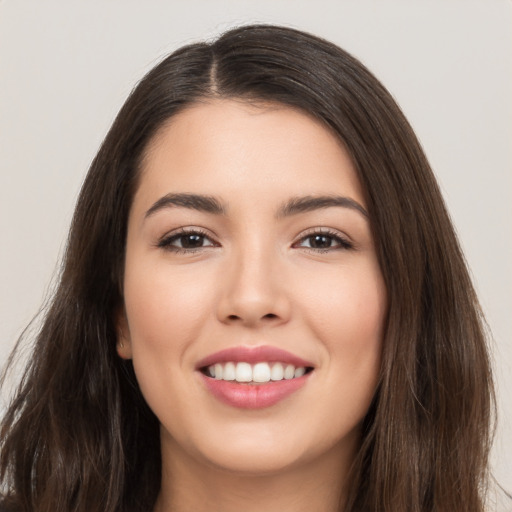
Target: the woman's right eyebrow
(202, 203)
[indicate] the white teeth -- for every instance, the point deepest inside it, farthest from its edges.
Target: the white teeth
(277, 372)
(261, 372)
(258, 373)
(289, 372)
(243, 372)
(229, 372)
(299, 372)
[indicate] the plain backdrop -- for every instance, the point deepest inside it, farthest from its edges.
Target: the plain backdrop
(67, 66)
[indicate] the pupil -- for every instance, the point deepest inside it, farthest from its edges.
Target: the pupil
(191, 241)
(321, 242)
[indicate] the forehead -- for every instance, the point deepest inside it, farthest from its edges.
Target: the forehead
(223, 147)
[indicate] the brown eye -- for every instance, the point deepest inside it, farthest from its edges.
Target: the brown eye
(186, 241)
(320, 241)
(191, 241)
(324, 242)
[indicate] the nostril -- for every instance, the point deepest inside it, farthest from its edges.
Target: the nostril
(268, 316)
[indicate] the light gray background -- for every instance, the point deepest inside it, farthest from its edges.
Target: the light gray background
(67, 66)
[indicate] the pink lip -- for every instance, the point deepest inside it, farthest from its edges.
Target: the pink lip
(253, 396)
(252, 355)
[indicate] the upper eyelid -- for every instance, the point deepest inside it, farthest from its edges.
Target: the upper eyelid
(345, 241)
(185, 230)
(323, 231)
(208, 233)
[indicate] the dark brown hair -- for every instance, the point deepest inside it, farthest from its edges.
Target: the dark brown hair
(78, 436)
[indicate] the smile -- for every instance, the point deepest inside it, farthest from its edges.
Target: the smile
(258, 373)
(253, 377)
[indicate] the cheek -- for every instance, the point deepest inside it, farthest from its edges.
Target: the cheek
(165, 308)
(347, 312)
(350, 305)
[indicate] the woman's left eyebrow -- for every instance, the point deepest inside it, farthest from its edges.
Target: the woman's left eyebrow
(305, 204)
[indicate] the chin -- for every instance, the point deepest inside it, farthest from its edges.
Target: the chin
(271, 451)
(253, 462)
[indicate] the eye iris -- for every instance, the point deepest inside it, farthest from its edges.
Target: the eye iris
(320, 242)
(191, 241)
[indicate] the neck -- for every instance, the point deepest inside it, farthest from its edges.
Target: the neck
(188, 484)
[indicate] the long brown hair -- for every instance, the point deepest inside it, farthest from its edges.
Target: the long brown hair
(78, 435)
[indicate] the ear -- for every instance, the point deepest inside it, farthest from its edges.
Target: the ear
(124, 344)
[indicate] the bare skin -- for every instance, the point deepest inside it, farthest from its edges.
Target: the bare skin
(249, 229)
(297, 490)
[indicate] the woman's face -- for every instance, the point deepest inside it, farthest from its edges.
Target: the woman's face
(250, 257)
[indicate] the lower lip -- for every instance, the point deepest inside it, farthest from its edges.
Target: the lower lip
(253, 396)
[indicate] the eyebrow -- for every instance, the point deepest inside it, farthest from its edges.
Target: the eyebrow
(294, 206)
(202, 203)
(305, 204)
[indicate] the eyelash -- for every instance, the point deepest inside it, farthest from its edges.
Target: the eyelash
(342, 242)
(167, 241)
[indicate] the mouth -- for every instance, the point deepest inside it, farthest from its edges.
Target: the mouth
(253, 377)
(256, 374)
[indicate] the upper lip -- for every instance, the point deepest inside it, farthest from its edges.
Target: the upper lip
(252, 355)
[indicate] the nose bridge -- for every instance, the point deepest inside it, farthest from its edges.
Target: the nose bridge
(252, 290)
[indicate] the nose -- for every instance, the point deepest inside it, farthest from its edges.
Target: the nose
(253, 291)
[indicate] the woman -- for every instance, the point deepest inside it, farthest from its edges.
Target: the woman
(263, 305)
